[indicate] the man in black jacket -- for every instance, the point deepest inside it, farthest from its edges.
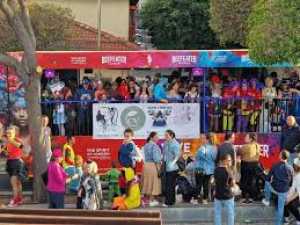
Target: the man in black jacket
(278, 182)
(290, 138)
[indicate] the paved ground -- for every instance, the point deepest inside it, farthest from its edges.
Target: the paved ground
(185, 214)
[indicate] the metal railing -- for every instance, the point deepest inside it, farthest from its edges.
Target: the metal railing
(217, 114)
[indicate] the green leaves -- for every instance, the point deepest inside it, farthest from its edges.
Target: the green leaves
(274, 32)
(51, 25)
(179, 24)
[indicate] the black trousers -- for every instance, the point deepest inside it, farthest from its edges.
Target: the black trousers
(170, 193)
(202, 181)
(248, 179)
(292, 207)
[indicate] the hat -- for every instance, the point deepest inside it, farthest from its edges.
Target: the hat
(85, 81)
(297, 162)
(56, 153)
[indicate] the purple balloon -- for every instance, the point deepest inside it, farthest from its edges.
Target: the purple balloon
(49, 73)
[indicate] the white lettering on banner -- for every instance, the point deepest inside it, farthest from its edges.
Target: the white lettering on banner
(264, 150)
(110, 120)
(184, 59)
(98, 153)
(114, 60)
(78, 60)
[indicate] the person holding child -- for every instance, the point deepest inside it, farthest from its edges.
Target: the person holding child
(75, 173)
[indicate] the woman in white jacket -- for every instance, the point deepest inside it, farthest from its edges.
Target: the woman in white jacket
(292, 201)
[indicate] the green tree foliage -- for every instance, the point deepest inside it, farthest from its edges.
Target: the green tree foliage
(51, 25)
(179, 24)
(228, 19)
(274, 31)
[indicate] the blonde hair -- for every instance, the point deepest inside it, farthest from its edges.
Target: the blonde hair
(93, 167)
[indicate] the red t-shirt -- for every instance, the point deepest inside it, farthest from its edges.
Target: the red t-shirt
(13, 151)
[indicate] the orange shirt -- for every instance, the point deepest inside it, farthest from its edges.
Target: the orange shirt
(13, 151)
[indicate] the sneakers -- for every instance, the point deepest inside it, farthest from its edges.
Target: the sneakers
(165, 205)
(13, 203)
(205, 202)
(194, 202)
(265, 202)
(154, 204)
(20, 200)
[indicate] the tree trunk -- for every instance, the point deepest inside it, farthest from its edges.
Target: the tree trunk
(33, 98)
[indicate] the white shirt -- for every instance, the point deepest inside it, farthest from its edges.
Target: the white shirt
(295, 189)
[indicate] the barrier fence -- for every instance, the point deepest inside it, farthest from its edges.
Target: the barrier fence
(217, 115)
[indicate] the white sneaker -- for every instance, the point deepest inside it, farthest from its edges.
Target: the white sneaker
(194, 201)
(165, 206)
(154, 204)
(205, 202)
(298, 223)
(265, 202)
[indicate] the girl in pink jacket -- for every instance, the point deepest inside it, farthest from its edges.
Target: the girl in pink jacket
(57, 179)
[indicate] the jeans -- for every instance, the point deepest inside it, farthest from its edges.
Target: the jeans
(229, 209)
(170, 187)
(56, 200)
(280, 204)
(202, 181)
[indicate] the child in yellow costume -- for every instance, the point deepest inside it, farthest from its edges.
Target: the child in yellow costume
(69, 153)
(132, 198)
(228, 116)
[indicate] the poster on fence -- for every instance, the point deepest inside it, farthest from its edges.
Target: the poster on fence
(110, 120)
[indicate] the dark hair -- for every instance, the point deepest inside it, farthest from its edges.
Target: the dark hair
(228, 136)
(224, 157)
(173, 84)
(69, 138)
(128, 130)
(209, 137)
(151, 135)
(114, 164)
(171, 133)
(285, 155)
(253, 136)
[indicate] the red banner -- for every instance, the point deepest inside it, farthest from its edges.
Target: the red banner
(106, 151)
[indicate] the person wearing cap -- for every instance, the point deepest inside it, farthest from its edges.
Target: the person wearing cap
(205, 165)
(57, 179)
(292, 200)
(84, 95)
(278, 182)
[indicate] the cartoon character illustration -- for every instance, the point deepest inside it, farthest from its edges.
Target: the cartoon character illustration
(160, 117)
(107, 116)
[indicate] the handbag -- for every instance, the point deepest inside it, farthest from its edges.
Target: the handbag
(236, 191)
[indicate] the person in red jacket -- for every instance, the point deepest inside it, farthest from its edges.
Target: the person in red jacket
(123, 90)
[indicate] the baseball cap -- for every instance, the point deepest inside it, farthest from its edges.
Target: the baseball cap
(57, 153)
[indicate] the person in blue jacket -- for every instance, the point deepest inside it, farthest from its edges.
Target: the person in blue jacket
(205, 165)
(171, 154)
(159, 91)
(128, 151)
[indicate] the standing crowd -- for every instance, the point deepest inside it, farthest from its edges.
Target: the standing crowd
(219, 173)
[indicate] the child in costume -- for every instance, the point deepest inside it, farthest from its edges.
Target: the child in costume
(113, 182)
(75, 173)
(132, 198)
(90, 192)
(68, 152)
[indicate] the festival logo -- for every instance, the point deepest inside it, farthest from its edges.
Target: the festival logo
(133, 117)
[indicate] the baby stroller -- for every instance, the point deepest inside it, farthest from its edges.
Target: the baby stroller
(185, 183)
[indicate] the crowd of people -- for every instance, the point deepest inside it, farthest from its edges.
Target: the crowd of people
(219, 173)
(233, 102)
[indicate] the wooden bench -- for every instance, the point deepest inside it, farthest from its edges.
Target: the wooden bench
(78, 217)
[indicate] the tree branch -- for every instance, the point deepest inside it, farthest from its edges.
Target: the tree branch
(14, 63)
(26, 20)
